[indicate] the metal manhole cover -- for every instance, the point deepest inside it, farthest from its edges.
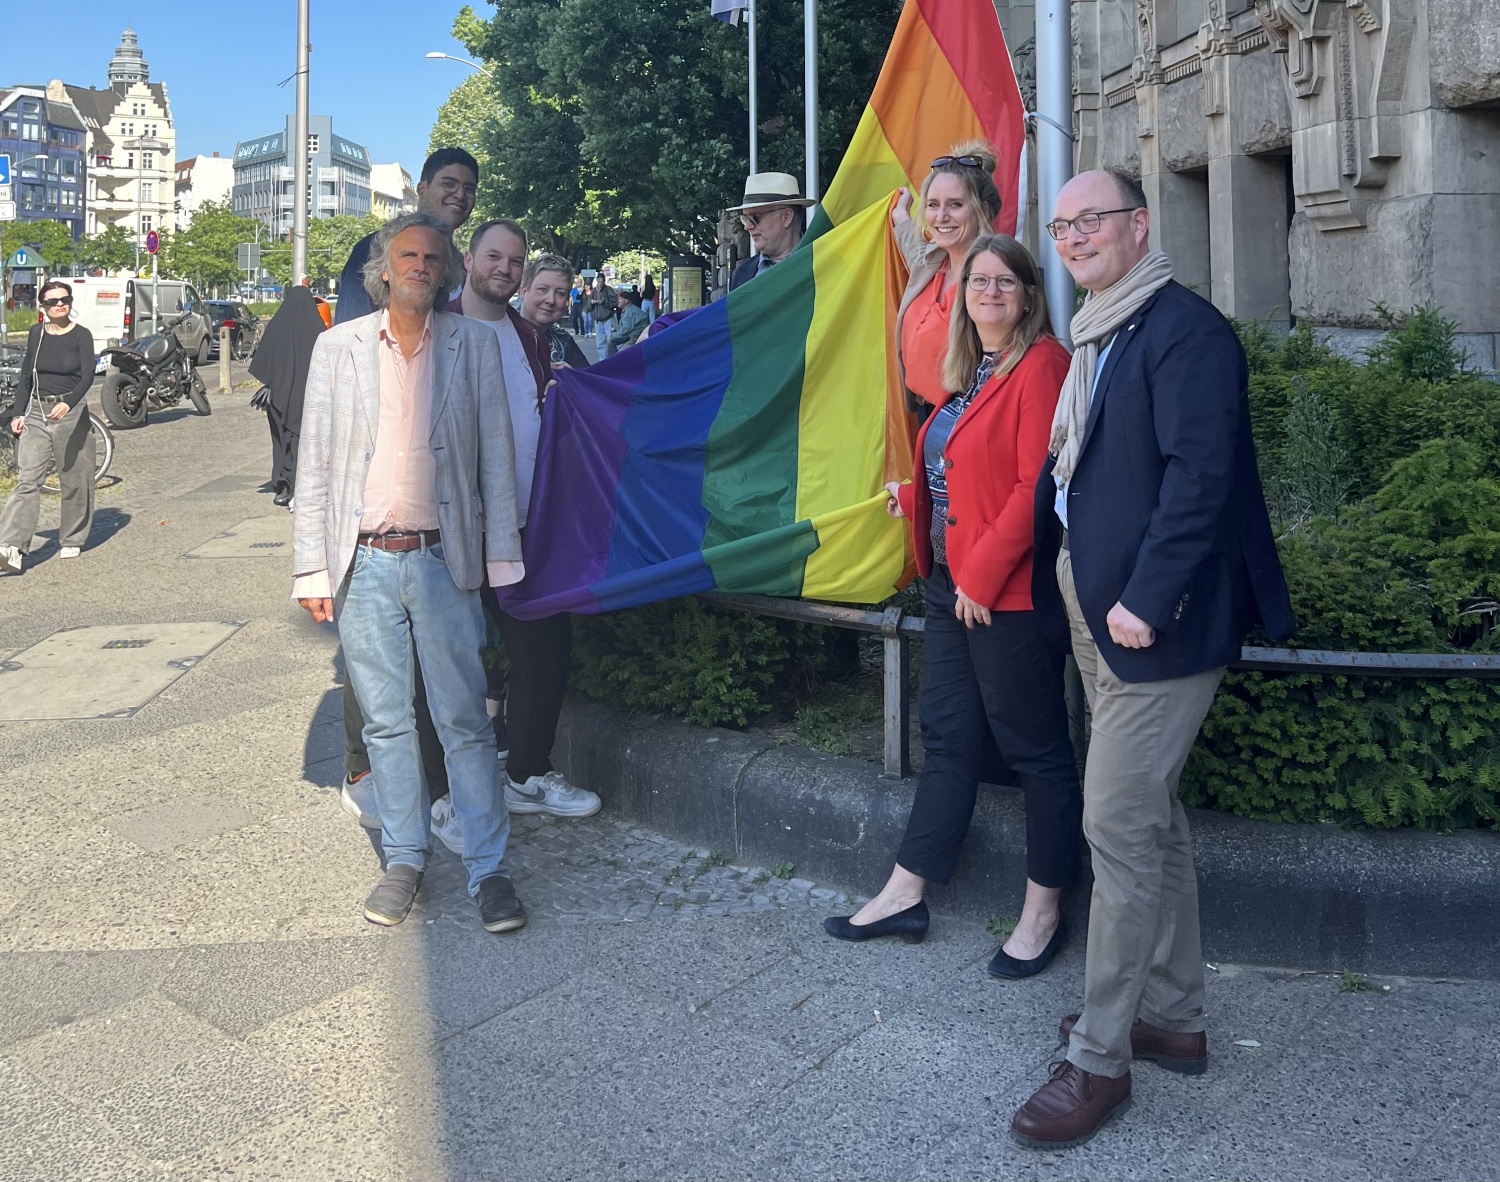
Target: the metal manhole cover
(255, 537)
(109, 671)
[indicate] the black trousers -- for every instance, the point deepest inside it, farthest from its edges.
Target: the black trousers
(357, 755)
(1002, 684)
(284, 440)
(540, 654)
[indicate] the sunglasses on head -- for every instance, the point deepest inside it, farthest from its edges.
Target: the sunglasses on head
(966, 161)
(59, 302)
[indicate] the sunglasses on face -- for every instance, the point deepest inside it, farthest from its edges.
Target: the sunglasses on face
(751, 220)
(966, 161)
(59, 302)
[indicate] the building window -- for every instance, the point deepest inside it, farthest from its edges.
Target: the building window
(148, 191)
(148, 160)
(137, 108)
(312, 144)
(129, 159)
(145, 223)
(31, 131)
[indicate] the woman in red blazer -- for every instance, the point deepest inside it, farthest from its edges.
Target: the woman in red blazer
(987, 671)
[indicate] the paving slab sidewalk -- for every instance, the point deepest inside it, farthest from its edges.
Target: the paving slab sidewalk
(188, 990)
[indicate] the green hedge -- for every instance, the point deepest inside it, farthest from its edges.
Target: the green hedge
(1384, 484)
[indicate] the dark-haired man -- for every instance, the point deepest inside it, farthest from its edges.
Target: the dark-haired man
(447, 190)
(540, 651)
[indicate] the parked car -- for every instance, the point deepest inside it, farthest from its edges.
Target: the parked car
(244, 327)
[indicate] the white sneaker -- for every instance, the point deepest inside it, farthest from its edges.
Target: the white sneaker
(445, 825)
(358, 797)
(70, 552)
(550, 794)
(12, 559)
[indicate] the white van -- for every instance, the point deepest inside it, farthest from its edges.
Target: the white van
(117, 310)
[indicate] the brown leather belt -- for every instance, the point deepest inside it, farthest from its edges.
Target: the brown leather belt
(400, 541)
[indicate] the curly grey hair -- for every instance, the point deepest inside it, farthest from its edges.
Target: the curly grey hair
(379, 263)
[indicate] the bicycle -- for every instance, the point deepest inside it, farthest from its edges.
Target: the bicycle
(10, 380)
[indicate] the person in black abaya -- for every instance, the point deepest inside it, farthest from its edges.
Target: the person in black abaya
(280, 363)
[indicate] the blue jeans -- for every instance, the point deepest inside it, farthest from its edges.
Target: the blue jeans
(388, 603)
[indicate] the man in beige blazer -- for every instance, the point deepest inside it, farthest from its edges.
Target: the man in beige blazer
(405, 502)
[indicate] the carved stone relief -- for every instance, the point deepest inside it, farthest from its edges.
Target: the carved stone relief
(1147, 56)
(1024, 62)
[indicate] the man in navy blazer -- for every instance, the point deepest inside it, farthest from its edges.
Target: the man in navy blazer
(1154, 557)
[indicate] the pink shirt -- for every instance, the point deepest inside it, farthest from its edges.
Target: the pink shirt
(401, 487)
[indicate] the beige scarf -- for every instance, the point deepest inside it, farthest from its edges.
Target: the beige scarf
(1101, 315)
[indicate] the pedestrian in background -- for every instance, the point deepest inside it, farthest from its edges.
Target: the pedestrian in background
(1154, 552)
(544, 300)
(989, 674)
(405, 506)
(50, 417)
(575, 308)
(958, 202)
(630, 321)
(280, 364)
(648, 298)
(603, 305)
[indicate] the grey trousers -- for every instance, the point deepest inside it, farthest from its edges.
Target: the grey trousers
(67, 445)
(1144, 959)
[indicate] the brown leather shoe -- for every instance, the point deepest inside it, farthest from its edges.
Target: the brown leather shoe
(1070, 1108)
(1186, 1054)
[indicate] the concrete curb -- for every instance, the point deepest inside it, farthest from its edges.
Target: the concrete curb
(1310, 896)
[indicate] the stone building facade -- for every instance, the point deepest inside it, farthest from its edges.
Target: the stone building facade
(1306, 160)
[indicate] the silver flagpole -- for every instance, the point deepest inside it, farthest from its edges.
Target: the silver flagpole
(1054, 147)
(810, 87)
(754, 91)
(299, 147)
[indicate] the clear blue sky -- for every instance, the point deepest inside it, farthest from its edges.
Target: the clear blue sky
(221, 63)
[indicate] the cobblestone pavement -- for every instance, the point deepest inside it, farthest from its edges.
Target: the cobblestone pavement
(188, 990)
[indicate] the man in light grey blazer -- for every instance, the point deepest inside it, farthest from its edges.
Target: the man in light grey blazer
(405, 502)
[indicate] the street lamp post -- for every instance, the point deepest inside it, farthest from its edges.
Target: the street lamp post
(448, 57)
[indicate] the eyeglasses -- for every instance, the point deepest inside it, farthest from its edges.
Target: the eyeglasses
(751, 220)
(451, 185)
(59, 302)
(1001, 283)
(1084, 223)
(966, 161)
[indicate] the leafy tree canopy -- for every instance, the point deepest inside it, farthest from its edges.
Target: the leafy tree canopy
(49, 238)
(622, 123)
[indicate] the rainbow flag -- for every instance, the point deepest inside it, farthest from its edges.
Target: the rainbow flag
(746, 448)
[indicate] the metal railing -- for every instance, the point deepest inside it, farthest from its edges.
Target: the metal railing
(897, 630)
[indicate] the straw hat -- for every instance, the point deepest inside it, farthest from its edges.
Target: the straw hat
(765, 190)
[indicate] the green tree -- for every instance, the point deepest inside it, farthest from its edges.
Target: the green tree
(49, 238)
(207, 251)
(112, 249)
(329, 243)
(624, 120)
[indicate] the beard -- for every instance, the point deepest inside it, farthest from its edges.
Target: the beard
(492, 289)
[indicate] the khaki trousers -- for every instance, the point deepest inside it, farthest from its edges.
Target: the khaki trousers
(68, 446)
(1144, 956)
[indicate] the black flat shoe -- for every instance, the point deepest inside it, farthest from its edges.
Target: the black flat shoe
(283, 498)
(1007, 966)
(910, 925)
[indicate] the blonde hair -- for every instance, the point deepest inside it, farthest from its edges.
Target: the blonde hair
(978, 183)
(964, 350)
(545, 262)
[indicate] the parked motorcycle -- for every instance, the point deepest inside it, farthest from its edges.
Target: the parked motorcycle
(149, 374)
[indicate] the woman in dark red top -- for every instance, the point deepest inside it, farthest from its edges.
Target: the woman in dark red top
(987, 674)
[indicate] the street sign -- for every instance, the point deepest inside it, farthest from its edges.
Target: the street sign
(7, 192)
(7, 211)
(4, 168)
(152, 242)
(248, 256)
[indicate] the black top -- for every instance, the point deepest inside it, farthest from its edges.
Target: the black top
(284, 353)
(62, 363)
(564, 348)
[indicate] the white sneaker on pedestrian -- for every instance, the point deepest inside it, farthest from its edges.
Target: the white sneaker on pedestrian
(445, 825)
(550, 793)
(12, 559)
(358, 797)
(70, 552)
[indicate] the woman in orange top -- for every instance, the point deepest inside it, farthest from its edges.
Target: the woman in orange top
(988, 674)
(958, 202)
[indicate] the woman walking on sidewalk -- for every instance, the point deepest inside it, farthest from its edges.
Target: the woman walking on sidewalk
(51, 418)
(280, 363)
(989, 676)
